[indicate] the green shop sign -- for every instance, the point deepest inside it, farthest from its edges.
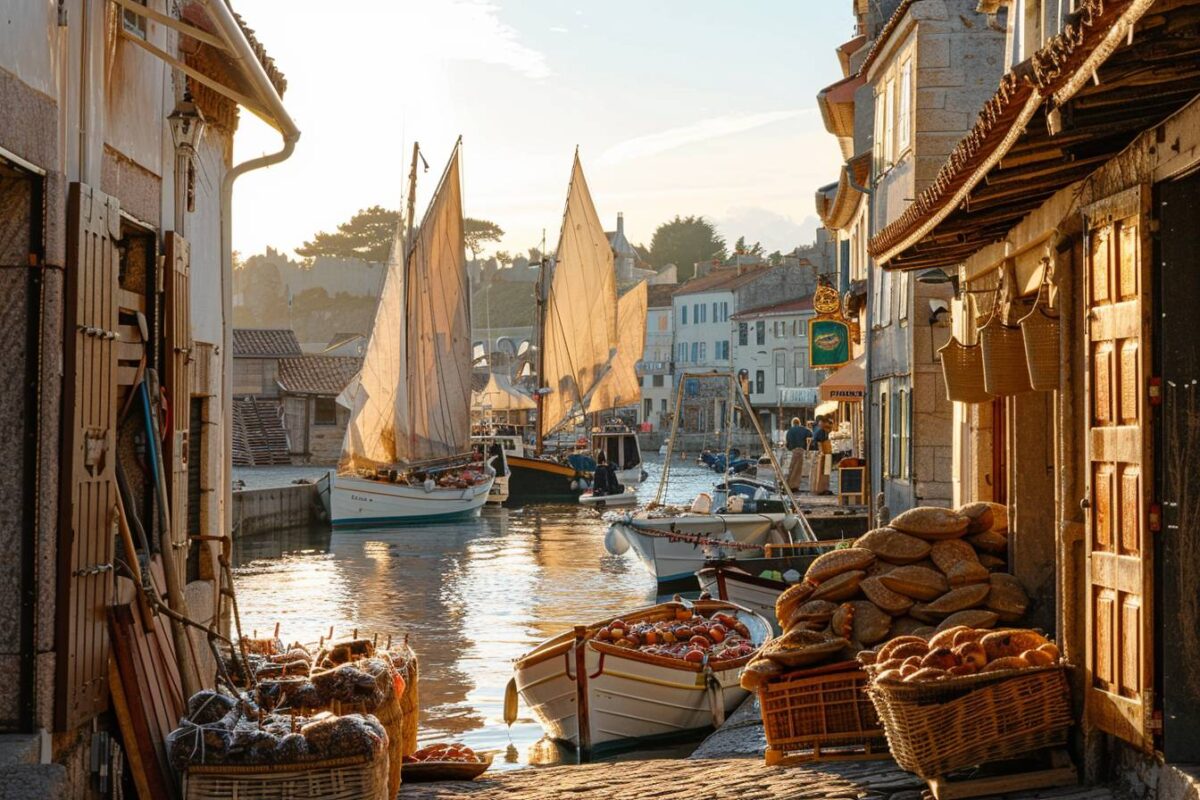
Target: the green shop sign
(828, 343)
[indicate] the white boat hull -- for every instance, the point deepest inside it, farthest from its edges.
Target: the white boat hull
(757, 594)
(364, 502)
(626, 498)
(628, 698)
(669, 559)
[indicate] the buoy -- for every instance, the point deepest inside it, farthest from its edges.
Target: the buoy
(615, 542)
(510, 702)
(429, 484)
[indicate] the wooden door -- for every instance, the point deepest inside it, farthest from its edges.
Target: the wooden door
(177, 334)
(89, 442)
(1118, 446)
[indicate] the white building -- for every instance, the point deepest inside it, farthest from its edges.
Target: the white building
(655, 368)
(770, 347)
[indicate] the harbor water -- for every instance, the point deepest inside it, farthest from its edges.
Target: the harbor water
(471, 596)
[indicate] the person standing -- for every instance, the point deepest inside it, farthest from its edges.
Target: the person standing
(604, 479)
(797, 444)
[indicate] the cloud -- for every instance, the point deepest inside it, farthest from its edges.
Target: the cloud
(704, 130)
(776, 231)
(476, 33)
(558, 29)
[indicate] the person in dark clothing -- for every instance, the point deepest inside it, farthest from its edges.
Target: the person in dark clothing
(604, 479)
(797, 443)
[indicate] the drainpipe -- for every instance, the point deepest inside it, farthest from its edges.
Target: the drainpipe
(231, 32)
(869, 193)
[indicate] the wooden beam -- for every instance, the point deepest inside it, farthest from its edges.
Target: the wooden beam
(179, 25)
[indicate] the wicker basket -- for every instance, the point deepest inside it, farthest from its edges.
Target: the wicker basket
(1039, 331)
(332, 779)
(1005, 368)
(962, 368)
(391, 716)
(936, 728)
(821, 714)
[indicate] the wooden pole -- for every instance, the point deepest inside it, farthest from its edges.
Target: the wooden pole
(581, 693)
(538, 397)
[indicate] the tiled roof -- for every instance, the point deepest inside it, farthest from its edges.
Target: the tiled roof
(1046, 80)
(342, 338)
(325, 375)
(722, 279)
(658, 295)
(885, 33)
(786, 307)
(265, 343)
(194, 12)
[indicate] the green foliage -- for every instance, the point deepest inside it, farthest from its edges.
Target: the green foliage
(683, 241)
(775, 258)
(477, 232)
(367, 235)
(743, 249)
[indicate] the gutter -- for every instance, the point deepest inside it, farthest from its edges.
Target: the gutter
(239, 48)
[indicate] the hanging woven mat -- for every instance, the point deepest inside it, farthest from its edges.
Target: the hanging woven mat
(1040, 331)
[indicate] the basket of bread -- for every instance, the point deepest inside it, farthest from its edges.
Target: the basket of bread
(967, 696)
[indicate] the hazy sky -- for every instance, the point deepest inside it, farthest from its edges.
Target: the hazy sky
(683, 107)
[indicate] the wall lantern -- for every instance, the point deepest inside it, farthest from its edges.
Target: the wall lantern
(187, 124)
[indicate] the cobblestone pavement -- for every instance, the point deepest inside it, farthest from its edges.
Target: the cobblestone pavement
(705, 779)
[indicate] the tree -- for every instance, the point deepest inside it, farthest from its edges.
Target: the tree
(367, 235)
(743, 249)
(478, 231)
(683, 241)
(775, 258)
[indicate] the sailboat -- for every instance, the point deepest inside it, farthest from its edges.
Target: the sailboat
(407, 455)
(577, 339)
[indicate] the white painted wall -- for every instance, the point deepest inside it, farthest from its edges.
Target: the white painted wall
(713, 329)
(785, 334)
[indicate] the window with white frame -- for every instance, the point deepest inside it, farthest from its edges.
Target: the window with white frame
(724, 310)
(904, 119)
(716, 309)
(723, 350)
(889, 123)
(877, 159)
(800, 362)
(760, 332)
(895, 426)
(780, 368)
(703, 352)
(902, 297)
(760, 381)
(683, 315)
(682, 353)
(695, 352)
(743, 334)
(884, 431)
(134, 22)
(905, 432)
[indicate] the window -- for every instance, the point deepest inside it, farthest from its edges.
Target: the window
(658, 381)
(905, 433)
(779, 328)
(760, 382)
(877, 144)
(703, 313)
(904, 120)
(780, 368)
(722, 350)
(695, 352)
(325, 412)
(896, 424)
(724, 311)
(682, 353)
(135, 23)
(716, 311)
(800, 360)
(703, 352)
(683, 315)
(885, 290)
(662, 322)
(662, 406)
(803, 323)
(884, 436)
(902, 312)
(743, 334)
(647, 409)
(889, 122)
(760, 332)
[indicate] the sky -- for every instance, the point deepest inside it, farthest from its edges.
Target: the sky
(702, 107)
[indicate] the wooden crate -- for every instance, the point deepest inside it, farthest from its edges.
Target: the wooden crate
(820, 714)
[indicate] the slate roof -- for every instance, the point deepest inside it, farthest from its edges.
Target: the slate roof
(323, 375)
(265, 343)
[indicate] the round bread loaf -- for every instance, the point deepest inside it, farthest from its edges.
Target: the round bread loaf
(970, 618)
(893, 546)
(960, 599)
(840, 587)
(1006, 597)
(835, 562)
(919, 583)
(891, 602)
(931, 522)
(980, 516)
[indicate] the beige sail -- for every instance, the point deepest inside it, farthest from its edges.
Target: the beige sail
(378, 406)
(439, 329)
(411, 400)
(621, 386)
(579, 331)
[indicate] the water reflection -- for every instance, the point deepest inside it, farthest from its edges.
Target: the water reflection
(472, 596)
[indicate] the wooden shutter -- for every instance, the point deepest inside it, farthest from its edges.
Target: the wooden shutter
(89, 414)
(177, 330)
(1118, 445)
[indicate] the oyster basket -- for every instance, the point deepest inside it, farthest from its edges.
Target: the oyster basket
(937, 727)
(360, 778)
(820, 714)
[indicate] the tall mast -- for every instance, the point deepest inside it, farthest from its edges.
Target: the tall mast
(539, 395)
(408, 248)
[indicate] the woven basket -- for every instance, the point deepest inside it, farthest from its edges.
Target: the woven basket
(820, 714)
(1039, 331)
(962, 368)
(410, 704)
(938, 727)
(332, 779)
(1005, 368)
(391, 716)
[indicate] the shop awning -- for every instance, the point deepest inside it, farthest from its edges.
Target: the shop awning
(797, 396)
(500, 395)
(848, 384)
(1117, 68)
(826, 408)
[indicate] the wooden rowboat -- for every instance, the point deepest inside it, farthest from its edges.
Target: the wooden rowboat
(594, 695)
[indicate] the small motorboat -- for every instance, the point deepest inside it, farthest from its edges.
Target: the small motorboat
(595, 694)
(626, 498)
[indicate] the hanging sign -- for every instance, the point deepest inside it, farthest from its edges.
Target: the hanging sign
(828, 331)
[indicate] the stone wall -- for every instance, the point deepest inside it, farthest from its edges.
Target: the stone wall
(262, 510)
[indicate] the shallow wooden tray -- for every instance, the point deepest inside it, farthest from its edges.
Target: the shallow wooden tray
(428, 771)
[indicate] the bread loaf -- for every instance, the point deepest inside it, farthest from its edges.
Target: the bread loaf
(970, 618)
(893, 546)
(980, 516)
(835, 562)
(950, 553)
(839, 588)
(959, 599)
(870, 624)
(1006, 597)
(992, 542)
(931, 522)
(791, 598)
(893, 603)
(919, 583)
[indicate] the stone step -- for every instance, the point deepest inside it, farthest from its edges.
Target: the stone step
(36, 782)
(20, 749)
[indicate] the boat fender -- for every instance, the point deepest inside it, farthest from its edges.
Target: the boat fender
(510, 702)
(575, 485)
(790, 521)
(615, 542)
(792, 576)
(429, 485)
